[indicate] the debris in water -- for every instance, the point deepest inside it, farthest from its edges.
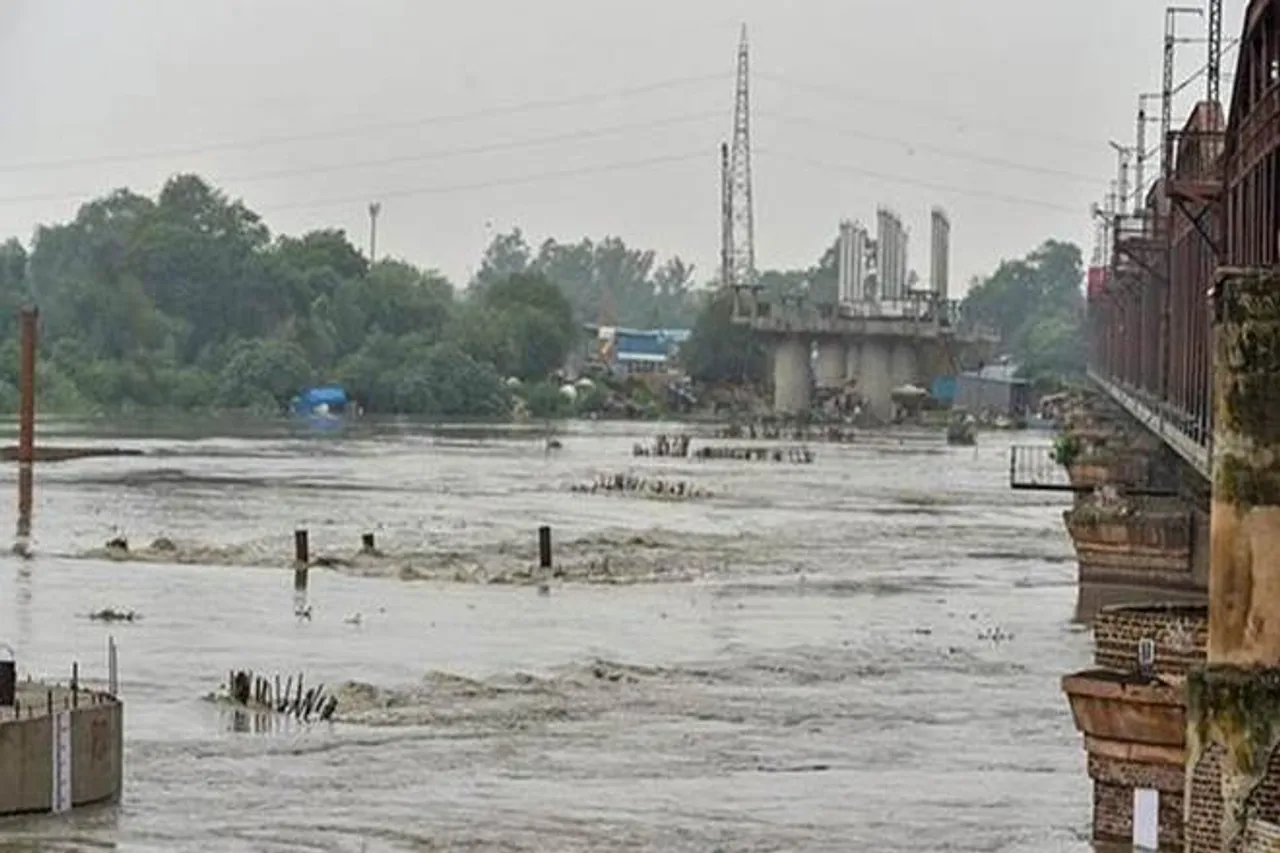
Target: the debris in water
(618, 483)
(110, 614)
(259, 693)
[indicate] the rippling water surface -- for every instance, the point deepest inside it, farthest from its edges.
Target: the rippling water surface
(860, 654)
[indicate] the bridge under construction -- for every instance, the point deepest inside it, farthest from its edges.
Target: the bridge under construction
(885, 329)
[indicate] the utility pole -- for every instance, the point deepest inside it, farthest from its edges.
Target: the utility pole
(1140, 143)
(1171, 40)
(374, 209)
(726, 219)
(1122, 177)
(1166, 95)
(1214, 67)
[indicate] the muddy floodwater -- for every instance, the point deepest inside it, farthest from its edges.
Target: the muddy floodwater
(862, 654)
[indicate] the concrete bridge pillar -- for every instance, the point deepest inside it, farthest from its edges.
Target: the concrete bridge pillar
(1233, 703)
(903, 364)
(875, 380)
(791, 375)
(832, 362)
(852, 359)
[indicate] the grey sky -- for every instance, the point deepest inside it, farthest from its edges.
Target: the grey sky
(86, 83)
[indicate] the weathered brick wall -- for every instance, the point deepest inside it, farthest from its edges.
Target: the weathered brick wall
(1113, 816)
(1204, 819)
(1265, 802)
(1180, 632)
(1165, 778)
(1142, 549)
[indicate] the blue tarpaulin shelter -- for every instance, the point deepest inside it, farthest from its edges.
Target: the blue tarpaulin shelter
(333, 396)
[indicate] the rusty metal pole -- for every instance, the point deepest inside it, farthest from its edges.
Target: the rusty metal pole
(26, 427)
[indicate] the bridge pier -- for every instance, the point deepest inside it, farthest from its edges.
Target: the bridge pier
(1138, 529)
(1133, 720)
(904, 365)
(832, 364)
(1233, 725)
(875, 377)
(791, 392)
(879, 348)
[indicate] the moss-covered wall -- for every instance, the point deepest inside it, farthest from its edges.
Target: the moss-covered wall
(1244, 578)
(1247, 391)
(1235, 712)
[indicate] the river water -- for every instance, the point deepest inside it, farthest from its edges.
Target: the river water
(859, 654)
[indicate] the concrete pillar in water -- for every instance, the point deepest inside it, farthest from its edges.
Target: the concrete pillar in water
(831, 364)
(875, 383)
(903, 365)
(852, 359)
(791, 375)
(1233, 703)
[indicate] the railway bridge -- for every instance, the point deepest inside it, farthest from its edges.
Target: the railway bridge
(1174, 458)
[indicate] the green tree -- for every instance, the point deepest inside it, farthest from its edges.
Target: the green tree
(537, 321)
(264, 371)
(1036, 304)
(718, 350)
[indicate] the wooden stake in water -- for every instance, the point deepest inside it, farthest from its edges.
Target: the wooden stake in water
(544, 547)
(301, 557)
(26, 428)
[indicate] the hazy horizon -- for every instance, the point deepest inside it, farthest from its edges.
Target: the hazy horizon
(569, 123)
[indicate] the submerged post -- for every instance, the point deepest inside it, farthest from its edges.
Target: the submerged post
(26, 427)
(544, 546)
(301, 557)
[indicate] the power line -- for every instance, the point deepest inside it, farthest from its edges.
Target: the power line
(568, 136)
(537, 177)
(935, 113)
(937, 149)
(439, 154)
(913, 182)
(349, 132)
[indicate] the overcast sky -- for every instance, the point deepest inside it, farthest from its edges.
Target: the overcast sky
(573, 118)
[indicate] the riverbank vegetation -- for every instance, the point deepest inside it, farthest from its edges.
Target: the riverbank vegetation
(1037, 305)
(187, 301)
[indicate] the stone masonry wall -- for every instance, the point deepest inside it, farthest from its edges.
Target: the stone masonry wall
(1142, 549)
(1204, 820)
(1180, 633)
(1113, 787)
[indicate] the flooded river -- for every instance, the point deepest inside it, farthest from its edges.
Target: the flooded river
(859, 654)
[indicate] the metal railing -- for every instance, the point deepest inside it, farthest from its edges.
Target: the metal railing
(1034, 467)
(1184, 433)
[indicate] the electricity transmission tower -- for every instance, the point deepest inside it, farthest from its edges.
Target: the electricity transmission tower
(1215, 50)
(742, 231)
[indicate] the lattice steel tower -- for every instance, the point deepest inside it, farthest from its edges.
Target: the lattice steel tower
(743, 221)
(1215, 50)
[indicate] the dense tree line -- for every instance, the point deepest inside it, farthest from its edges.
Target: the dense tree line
(187, 301)
(605, 282)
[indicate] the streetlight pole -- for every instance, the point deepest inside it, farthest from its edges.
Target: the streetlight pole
(374, 209)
